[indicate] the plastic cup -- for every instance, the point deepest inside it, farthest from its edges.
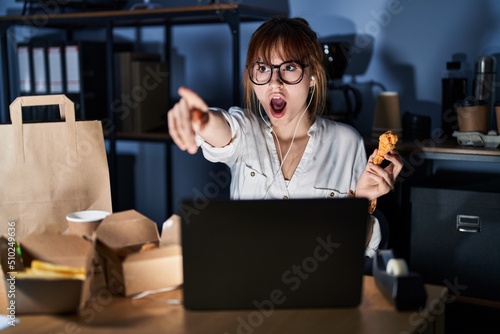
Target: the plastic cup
(387, 114)
(84, 223)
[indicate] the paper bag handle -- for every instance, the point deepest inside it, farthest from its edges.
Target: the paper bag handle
(66, 110)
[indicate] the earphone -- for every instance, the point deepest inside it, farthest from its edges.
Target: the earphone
(260, 113)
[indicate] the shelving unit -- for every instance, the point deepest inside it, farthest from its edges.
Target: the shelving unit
(231, 14)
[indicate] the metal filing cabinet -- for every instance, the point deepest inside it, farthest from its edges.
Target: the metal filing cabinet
(455, 233)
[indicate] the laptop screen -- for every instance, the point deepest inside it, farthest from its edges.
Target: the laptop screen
(280, 253)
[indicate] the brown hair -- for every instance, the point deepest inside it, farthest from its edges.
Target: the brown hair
(292, 39)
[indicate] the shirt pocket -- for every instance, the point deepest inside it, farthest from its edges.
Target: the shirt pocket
(253, 184)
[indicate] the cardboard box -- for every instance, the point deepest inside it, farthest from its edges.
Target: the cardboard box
(38, 295)
(129, 264)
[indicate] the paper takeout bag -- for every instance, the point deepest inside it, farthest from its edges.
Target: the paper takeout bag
(50, 169)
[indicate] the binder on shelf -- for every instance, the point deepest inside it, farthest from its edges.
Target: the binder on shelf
(33, 78)
(55, 65)
(40, 69)
(125, 60)
(150, 90)
(24, 68)
(76, 69)
(143, 91)
(72, 66)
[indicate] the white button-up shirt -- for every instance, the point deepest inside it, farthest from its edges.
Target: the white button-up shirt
(333, 160)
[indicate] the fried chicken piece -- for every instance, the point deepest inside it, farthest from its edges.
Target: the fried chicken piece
(387, 142)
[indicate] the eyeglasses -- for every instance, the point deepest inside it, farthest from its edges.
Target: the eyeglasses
(289, 72)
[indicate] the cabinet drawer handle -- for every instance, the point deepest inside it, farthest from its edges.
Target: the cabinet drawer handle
(469, 224)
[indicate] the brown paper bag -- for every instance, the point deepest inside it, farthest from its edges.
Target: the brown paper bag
(50, 169)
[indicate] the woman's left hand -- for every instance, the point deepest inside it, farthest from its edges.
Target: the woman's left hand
(376, 181)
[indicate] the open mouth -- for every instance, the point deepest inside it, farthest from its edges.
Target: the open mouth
(277, 104)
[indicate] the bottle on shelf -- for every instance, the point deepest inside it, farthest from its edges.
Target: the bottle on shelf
(484, 84)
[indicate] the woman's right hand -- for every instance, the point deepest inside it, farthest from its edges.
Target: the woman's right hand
(186, 118)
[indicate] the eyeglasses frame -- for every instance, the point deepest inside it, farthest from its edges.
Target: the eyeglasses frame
(273, 67)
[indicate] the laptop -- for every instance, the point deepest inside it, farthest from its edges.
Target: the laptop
(270, 254)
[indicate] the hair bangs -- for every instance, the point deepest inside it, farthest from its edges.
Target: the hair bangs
(282, 42)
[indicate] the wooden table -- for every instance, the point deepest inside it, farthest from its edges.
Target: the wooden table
(108, 313)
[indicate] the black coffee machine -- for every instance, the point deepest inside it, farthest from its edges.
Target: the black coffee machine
(336, 59)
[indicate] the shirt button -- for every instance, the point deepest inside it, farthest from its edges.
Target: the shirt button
(252, 174)
(285, 197)
(332, 194)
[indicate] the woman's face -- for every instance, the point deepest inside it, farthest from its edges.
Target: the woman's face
(283, 103)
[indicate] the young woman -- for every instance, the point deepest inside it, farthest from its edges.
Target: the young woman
(279, 146)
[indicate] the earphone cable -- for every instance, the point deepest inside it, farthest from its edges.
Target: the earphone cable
(277, 140)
